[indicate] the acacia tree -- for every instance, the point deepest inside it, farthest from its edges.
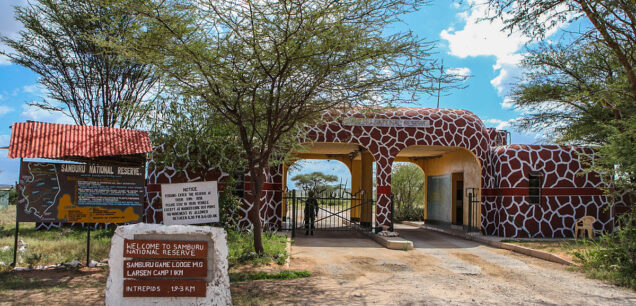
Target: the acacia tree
(84, 80)
(613, 24)
(270, 67)
(583, 88)
(316, 180)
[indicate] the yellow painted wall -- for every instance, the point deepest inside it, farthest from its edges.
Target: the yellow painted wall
(460, 161)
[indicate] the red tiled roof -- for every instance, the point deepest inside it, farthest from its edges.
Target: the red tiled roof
(49, 140)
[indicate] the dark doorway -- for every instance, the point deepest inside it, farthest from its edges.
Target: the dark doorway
(459, 203)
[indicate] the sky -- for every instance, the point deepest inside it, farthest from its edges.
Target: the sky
(467, 45)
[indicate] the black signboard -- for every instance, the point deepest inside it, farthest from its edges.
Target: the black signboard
(82, 193)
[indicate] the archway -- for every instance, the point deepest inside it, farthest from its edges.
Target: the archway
(408, 187)
(453, 182)
(358, 209)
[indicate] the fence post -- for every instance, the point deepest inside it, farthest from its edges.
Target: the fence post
(470, 212)
(293, 213)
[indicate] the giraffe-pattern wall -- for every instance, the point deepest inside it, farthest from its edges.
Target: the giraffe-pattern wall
(446, 127)
(271, 197)
(567, 192)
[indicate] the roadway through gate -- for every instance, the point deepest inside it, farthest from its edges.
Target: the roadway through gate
(441, 270)
(311, 211)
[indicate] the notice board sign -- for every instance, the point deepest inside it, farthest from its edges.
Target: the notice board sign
(80, 193)
(165, 268)
(190, 203)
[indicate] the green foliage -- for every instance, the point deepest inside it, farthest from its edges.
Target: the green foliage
(408, 213)
(615, 161)
(614, 257)
(241, 250)
(250, 276)
(572, 93)
(91, 83)
(409, 192)
(582, 89)
(407, 185)
(229, 206)
(316, 181)
(193, 139)
(32, 258)
(13, 197)
(267, 68)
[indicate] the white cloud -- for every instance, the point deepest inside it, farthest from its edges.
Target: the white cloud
(35, 89)
(499, 124)
(5, 110)
(4, 60)
(507, 103)
(509, 72)
(462, 71)
(8, 25)
(481, 37)
(35, 113)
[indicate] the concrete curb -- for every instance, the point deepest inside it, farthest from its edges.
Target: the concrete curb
(498, 244)
(392, 243)
(288, 246)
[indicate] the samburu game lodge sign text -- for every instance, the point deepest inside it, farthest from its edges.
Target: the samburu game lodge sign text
(161, 268)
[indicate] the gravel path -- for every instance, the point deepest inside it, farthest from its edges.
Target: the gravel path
(440, 270)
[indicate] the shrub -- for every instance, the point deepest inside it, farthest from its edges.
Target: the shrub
(408, 213)
(285, 274)
(614, 256)
(241, 248)
(229, 205)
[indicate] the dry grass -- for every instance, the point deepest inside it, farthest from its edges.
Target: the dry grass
(564, 248)
(49, 247)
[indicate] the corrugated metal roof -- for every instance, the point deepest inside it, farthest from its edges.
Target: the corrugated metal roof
(50, 140)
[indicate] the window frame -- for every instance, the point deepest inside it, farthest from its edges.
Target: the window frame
(534, 192)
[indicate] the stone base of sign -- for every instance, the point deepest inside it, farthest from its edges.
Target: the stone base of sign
(218, 281)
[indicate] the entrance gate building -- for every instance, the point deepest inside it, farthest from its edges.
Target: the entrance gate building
(474, 178)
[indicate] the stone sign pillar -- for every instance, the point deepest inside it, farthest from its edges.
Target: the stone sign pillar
(153, 264)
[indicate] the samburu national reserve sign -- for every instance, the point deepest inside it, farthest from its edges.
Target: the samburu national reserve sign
(80, 193)
(150, 274)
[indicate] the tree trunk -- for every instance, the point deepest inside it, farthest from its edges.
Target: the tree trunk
(256, 182)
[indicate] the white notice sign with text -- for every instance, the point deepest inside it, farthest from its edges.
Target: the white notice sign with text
(190, 203)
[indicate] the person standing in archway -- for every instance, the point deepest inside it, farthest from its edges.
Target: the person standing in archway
(311, 210)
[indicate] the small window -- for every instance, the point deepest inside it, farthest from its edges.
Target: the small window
(534, 187)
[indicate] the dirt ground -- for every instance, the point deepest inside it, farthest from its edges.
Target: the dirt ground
(441, 270)
(54, 287)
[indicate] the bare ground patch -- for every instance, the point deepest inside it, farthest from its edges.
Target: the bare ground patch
(54, 287)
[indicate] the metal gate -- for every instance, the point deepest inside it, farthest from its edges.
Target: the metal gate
(474, 201)
(308, 211)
